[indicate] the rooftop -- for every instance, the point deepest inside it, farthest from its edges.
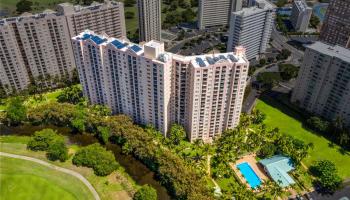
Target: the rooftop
(197, 61)
(278, 167)
(260, 6)
(330, 50)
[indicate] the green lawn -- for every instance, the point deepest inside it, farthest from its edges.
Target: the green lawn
(21, 179)
(323, 148)
(108, 187)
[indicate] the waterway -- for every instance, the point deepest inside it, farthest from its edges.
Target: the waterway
(136, 169)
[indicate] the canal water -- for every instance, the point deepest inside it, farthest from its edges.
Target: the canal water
(137, 170)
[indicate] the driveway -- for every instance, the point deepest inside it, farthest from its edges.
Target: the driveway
(342, 194)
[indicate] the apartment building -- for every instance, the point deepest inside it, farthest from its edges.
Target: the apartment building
(149, 15)
(300, 16)
(34, 46)
(336, 26)
(39, 45)
(323, 83)
(251, 28)
(216, 12)
(203, 93)
(107, 17)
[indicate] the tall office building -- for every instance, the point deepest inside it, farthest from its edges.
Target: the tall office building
(203, 93)
(301, 15)
(40, 45)
(216, 12)
(34, 46)
(149, 13)
(323, 83)
(336, 26)
(251, 28)
(107, 17)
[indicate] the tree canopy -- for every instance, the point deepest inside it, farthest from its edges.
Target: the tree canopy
(15, 110)
(24, 6)
(327, 175)
(146, 192)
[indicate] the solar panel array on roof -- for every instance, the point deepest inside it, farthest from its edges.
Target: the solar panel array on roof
(222, 57)
(232, 58)
(97, 39)
(118, 44)
(210, 60)
(200, 62)
(86, 36)
(135, 48)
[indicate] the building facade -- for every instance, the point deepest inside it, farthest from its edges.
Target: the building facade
(323, 83)
(149, 15)
(202, 93)
(300, 16)
(336, 26)
(251, 28)
(216, 12)
(107, 17)
(34, 46)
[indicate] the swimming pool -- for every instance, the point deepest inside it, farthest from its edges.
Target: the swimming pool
(249, 174)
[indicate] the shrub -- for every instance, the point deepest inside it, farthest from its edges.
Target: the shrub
(57, 151)
(146, 192)
(48, 140)
(96, 157)
(43, 139)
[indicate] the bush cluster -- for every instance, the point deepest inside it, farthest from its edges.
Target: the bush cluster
(96, 157)
(48, 140)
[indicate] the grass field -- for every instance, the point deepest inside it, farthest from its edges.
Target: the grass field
(110, 187)
(323, 148)
(22, 179)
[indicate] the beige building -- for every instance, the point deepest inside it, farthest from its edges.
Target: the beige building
(34, 46)
(216, 12)
(336, 26)
(40, 44)
(323, 83)
(105, 17)
(149, 15)
(203, 93)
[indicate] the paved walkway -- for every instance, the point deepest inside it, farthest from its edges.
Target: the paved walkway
(64, 170)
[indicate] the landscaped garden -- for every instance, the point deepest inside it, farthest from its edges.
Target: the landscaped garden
(323, 148)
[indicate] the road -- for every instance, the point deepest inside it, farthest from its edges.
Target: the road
(279, 41)
(64, 170)
(342, 194)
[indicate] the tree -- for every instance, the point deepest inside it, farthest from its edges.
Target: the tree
(72, 94)
(314, 21)
(57, 151)
(269, 79)
(318, 124)
(103, 133)
(129, 3)
(24, 6)
(262, 61)
(281, 3)
(288, 71)
(95, 156)
(188, 15)
(267, 150)
(176, 134)
(146, 192)
(129, 15)
(327, 175)
(15, 111)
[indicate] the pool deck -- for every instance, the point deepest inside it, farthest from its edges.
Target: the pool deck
(250, 159)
